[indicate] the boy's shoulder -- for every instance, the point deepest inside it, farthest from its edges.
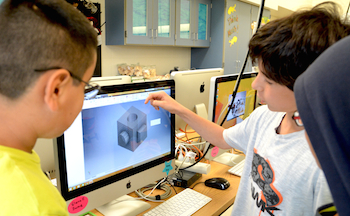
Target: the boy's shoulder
(23, 182)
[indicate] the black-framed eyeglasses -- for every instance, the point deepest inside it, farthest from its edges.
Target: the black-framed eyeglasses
(91, 90)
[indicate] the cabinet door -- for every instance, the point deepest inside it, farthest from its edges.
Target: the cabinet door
(237, 35)
(139, 24)
(184, 23)
(202, 23)
(150, 22)
(163, 22)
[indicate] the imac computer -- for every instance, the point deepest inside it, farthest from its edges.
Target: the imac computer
(111, 80)
(192, 90)
(220, 97)
(117, 144)
(44, 147)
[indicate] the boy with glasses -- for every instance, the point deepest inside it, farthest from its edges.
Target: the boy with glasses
(47, 57)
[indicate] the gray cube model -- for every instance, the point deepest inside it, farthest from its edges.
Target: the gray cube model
(132, 129)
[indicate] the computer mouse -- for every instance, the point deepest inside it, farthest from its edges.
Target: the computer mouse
(219, 183)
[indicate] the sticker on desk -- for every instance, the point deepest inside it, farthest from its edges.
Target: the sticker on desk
(167, 167)
(214, 151)
(78, 204)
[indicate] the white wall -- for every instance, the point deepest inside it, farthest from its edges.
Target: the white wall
(165, 58)
(288, 4)
(343, 3)
(280, 8)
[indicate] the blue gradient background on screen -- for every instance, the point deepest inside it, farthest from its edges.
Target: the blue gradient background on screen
(102, 153)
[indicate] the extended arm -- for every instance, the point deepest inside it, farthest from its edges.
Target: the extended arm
(210, 131)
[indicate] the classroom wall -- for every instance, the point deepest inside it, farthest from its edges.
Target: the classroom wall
(165, 58)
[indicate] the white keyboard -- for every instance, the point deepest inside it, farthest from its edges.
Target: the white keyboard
(237, 169)
(184, 203)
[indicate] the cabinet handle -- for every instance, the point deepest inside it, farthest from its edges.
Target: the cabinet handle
(197, 36)
(156, 33)
(236, 66)
(151, 30)
(194, 36)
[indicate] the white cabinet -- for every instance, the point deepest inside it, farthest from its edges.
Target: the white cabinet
(193, 23)
(154, 22)
(149, 22)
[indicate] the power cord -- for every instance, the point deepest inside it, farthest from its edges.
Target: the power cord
(141, 192)
(152, 187)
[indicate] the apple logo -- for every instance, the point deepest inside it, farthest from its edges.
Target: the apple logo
(201, 89)
(128, 185)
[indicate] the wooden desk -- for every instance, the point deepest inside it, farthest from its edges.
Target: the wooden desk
(221, 199)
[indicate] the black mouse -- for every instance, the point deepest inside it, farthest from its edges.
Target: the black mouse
(219, 183)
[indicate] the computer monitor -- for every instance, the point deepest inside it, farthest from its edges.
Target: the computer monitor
(192, 88)
(117, 144)
(44, 147)
(220, 97)
(111, 80)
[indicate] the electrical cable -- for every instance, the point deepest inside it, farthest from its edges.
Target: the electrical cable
(141, 192)
(261, 8)
(197, 184)
(152, 187)
(198, 159)
(243, 66)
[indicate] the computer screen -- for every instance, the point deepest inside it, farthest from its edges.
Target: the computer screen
(220, 97)
(116, 145)
(44, 147)
(192, 88)
(221, 89)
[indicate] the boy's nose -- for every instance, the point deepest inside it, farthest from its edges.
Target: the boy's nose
(256, 84)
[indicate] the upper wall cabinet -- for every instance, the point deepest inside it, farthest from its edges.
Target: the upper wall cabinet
(150, 22)
(193, 23)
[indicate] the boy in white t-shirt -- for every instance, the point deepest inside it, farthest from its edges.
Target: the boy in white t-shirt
(280, 176)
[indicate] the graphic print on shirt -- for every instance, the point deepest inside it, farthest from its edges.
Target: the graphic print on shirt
(263, 175)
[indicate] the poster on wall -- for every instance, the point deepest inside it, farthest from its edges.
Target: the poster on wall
(232, 22)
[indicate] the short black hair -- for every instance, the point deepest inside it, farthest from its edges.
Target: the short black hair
(287, 46)
(38, 34)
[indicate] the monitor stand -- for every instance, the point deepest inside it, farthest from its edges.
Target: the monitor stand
(229, 159)
(201, 110)
(124, 205)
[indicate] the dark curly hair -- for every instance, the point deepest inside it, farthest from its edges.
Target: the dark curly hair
(287, 46)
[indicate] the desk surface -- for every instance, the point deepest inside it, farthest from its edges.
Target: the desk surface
(221, 199)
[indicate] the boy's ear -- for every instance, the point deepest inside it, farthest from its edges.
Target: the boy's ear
(56, 85)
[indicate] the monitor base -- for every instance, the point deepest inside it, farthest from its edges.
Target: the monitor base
(229, 159)
(124, 205)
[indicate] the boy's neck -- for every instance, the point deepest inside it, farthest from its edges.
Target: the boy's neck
(288, 125)
(15, 132)
(13, 139)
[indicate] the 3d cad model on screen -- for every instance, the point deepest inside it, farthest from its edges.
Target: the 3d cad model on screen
(132, 129)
